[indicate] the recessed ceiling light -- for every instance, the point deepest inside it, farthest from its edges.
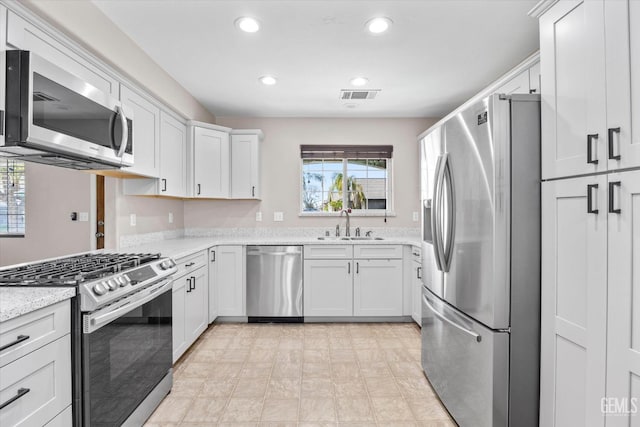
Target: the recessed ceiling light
(378, 25)
(248, 24)
(268, 80)
(359, 81)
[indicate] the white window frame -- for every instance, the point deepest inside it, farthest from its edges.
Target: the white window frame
(389, 212)
(6, 160)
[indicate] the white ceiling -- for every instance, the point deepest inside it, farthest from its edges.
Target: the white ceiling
(437, 54)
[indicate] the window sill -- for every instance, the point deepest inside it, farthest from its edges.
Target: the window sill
(11, 235)
(352, 214)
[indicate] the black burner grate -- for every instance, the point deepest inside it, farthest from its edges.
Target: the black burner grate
(73, 270)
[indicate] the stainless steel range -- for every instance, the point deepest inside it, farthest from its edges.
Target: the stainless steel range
(121, 331)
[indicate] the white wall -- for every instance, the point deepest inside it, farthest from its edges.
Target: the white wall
(152, 214)
(52, 194)
(281, 171)
(85, 23)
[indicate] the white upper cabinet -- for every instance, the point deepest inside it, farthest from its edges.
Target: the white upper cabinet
(172, 147)
(245, 163)
(26, 36)
(173, 152)
(623, 83)
(518, 84)
(208, 160)
(146, 134)
(590, 64)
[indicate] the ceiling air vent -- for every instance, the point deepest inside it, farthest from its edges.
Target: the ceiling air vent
(358, 94)
(41, 96)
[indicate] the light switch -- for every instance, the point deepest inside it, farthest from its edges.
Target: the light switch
(416, 216)
(132, 220)
(84, 216)
(170, 217)
(258, 216)
(278, 216)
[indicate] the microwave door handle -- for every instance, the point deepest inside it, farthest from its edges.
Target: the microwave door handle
(125, 131)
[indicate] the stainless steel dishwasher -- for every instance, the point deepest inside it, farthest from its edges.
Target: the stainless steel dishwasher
(274, 283)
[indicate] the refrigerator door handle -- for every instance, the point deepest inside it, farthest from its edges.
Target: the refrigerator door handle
(451, 213)
(442, 317)
(436, 215)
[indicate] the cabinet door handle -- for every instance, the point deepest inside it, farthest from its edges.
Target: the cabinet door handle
(1, 122)
(357, 268)
(188, 285)
(590, 139)
(164, 184)
(253, 191)
(191, 264)
(590, 189)
(21, 392)
(193, 282)
(17, 341)
(419, 272)
(348, 268)
(610, 141)
(612, 186)
(198, 189)
(213, 256)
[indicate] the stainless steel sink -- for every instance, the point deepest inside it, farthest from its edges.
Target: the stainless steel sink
(349, 238)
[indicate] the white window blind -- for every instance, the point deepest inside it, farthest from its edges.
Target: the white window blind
(12, 192)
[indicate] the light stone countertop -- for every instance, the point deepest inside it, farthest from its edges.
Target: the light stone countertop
(16, 301)
(185, 246)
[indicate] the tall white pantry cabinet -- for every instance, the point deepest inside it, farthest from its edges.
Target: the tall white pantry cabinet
(590, 320)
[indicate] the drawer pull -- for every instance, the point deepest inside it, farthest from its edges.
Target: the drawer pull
(21, 392)
(191, 264)
(18, 340)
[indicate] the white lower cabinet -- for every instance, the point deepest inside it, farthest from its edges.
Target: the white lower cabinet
(346, 286)
(574, 301)
(328, 287)
(37, 384)
(228, 281)
(377, 287)
(623, 330)
(190, 303)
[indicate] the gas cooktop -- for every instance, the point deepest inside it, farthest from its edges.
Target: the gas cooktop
(100, 278)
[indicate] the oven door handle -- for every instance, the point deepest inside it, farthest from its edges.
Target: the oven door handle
(94, 321)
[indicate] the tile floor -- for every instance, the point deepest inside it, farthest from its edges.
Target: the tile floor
(302, 375)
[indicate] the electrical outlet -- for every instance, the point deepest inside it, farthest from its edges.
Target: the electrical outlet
(132, 220)
(278, 216)
(416, 216)
(84, 216)
(258, 216)
(170, 217)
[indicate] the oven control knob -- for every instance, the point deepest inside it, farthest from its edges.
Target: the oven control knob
(167, 264)
(125, 279)
(100, 289)
(111, 283)
(121, 281)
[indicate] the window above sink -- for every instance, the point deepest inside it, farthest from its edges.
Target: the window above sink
(366, 190)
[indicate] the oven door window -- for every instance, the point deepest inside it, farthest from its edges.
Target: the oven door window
(124, 360)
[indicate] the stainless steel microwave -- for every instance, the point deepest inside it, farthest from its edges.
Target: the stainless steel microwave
(54, 117)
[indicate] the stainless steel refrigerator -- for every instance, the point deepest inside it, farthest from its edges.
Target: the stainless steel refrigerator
(480, 185)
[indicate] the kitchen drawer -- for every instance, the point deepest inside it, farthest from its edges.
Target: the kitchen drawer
(33, 330)
(190, 263)
(328, 251)
(377, 251)
(63, 419)
(46, 374)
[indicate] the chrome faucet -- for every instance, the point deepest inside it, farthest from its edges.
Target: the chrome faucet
(348, 227)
